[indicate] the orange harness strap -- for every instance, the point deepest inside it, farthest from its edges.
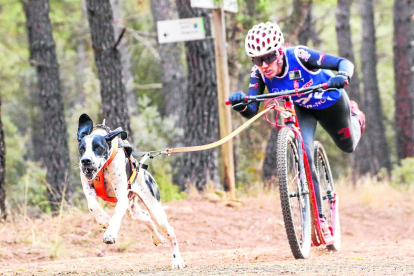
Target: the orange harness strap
(99, 182)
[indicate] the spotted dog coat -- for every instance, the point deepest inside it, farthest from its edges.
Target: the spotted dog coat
(94, 151)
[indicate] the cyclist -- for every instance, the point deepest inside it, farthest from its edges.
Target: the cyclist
(273, 62)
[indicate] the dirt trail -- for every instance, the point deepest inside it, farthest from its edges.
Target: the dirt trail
(377, 229)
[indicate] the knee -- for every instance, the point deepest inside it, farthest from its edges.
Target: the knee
(348, 147)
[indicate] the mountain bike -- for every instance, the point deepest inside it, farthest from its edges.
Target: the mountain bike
(303, 224)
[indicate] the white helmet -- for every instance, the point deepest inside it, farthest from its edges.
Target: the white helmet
(263, 38)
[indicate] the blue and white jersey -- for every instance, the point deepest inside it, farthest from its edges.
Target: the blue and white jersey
(315, 68)
(309, 78)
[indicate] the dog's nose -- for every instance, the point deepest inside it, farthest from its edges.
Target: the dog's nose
(86, 162)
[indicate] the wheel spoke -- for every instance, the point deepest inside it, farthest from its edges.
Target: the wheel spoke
(295, 203)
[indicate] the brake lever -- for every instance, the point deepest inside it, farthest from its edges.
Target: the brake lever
(241, 104)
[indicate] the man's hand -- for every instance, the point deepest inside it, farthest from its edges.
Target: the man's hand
(337, 82)
(237, 101)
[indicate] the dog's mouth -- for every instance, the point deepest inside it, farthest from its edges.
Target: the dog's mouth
(88, 172)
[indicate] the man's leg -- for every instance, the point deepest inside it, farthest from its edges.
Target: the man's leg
(307, 123)
(344, 129)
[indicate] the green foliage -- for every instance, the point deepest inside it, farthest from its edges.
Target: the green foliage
(155, 133)
(404, 173)
(28, 195)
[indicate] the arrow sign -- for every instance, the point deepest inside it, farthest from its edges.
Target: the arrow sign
(180, 30)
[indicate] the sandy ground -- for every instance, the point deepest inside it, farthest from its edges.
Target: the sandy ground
(215, 239)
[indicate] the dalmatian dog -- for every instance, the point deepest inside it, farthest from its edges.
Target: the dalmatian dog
(95, 148)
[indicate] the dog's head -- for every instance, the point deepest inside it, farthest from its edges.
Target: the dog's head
(94, 145)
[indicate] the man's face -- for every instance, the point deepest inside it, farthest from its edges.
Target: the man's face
(268, 64)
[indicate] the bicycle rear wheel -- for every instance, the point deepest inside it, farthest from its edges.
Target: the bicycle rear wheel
(328, 194)
(294, 195)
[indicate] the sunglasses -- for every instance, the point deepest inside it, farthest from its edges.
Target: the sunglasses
(267, 58)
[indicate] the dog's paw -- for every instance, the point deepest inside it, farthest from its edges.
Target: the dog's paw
(109, 238)
(157, 240)
(178, 263)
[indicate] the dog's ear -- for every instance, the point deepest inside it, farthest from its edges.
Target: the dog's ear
(111, 135)
(85, 126)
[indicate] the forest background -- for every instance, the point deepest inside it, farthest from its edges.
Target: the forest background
(169, 97)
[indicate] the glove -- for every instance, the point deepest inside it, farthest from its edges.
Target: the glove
(337, 82)
(237, 101)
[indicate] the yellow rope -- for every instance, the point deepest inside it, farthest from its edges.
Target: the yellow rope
(223, 140)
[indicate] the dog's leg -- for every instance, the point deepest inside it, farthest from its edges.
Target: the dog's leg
(111, 233)
(162, 222)
(115, 174)
(138, 214)
(146, 194)
(100, 215)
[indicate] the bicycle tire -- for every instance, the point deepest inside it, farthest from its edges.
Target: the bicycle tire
(294, 196)
(327, 190)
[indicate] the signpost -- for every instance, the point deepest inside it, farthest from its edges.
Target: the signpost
(223, 89)
(193, 29)
(180, 30)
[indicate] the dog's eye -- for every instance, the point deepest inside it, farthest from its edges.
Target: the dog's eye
(97, 148)
(81, 150)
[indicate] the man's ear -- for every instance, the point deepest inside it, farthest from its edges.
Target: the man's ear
(111, 135)
(85, 126)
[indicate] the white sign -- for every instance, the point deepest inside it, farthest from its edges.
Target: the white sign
(228, 5)
(180, 30)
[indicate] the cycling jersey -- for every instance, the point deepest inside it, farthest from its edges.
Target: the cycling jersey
(315, 68)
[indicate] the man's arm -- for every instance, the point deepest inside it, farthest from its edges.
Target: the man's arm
(256, 87)
(314, 60)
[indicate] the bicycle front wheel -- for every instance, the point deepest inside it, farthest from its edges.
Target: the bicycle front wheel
(294, 195)
(329, 196)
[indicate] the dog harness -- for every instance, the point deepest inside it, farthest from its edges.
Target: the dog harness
(99, 181)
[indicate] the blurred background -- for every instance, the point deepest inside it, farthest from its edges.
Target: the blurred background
(60, 59)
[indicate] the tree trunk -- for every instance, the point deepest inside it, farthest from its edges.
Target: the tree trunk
(108, 63)
(3, 214)
(298, 25)
(174, 78)
(359, 159)
(35, 121)
(128, 79)
(375, 130)
(43, 57)
(201, 118)
(404, 92)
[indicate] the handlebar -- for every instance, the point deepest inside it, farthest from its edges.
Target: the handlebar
(304, 90)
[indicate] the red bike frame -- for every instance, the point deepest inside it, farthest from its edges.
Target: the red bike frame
(321, 235)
